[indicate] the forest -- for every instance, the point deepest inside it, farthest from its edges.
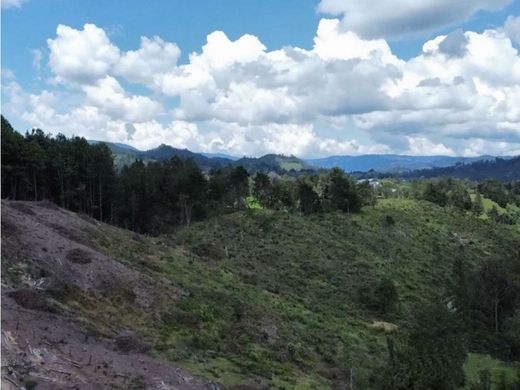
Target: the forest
(154, 197)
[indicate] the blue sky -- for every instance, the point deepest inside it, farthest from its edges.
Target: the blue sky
(386, 99)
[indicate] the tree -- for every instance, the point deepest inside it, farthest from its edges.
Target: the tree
(33, 157)
(494, 214)
(433, 193)
(341, 192)
(461, 289)
(193, 188)
(283, 195)
(309, 199)
(495, 293)
(262, 188)
(13, 170)
(238, 182)
(367, 193)
(432, 353)
(478, 207)
(458, 196)
(102, 168)
(495, 191)
(386, 296)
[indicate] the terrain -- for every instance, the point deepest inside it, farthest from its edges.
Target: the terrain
(391, 163)
(505, 170)
(249, 300)
(47, 341)
(381, 163)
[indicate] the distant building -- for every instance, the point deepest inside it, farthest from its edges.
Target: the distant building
(374, 183)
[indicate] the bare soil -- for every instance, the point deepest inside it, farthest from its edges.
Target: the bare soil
(44, 246)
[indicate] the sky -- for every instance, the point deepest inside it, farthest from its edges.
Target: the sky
(311, 78)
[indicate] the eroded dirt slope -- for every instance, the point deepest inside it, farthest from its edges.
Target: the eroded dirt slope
(46, 252)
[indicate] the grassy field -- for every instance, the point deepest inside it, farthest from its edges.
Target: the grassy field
(276, 298)
(477, 362)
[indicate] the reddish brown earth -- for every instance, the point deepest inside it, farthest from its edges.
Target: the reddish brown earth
(45, 348)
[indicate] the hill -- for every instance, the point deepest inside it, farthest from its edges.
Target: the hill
(272, 162)
(61, 305)
(505, 170)
(125, 155)
(390, 163)
(254, 298)
(165, 152)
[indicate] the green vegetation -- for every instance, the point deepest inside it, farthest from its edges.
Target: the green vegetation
(476, 364)
(155, 197)
(304, 283)
(281, 298)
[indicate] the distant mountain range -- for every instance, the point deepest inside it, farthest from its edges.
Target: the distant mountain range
(503, 169)
(386, 164)
(125, 154)
(391, 163)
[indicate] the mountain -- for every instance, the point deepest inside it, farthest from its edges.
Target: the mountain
(116, 146)
(392, 163)
(221, 155)
(125, 154)
(249, 300)
(501, 169)
(417, 166)
(273, 162)
(165, 152)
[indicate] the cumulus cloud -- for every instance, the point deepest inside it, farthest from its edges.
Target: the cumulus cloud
(81, 56)
(346, 95)
(110, 98)
(455, 44)
(422, 146)
(397, 18)
(155, 56)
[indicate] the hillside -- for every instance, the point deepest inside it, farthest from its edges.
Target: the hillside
(63, 303)
(254, 298)
(272, 162)
(125, 155)
(390, 163)
(505, 170)
(382, 163)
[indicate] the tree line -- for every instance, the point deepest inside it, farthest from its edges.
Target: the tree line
(154, 197)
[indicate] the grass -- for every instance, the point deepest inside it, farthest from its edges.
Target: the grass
(478, 362)
(274, 298)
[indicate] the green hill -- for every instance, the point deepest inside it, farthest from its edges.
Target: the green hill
(272, 162)
(274, 299)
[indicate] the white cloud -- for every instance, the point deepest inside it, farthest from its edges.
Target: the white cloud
(422, 146)
(37, 58)
(12, 3)
(346, 95)
(155, 56)
(110, 98)
(512, 28)
(178, 134)
(332, 43)
(397, 18)
(81, 56)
